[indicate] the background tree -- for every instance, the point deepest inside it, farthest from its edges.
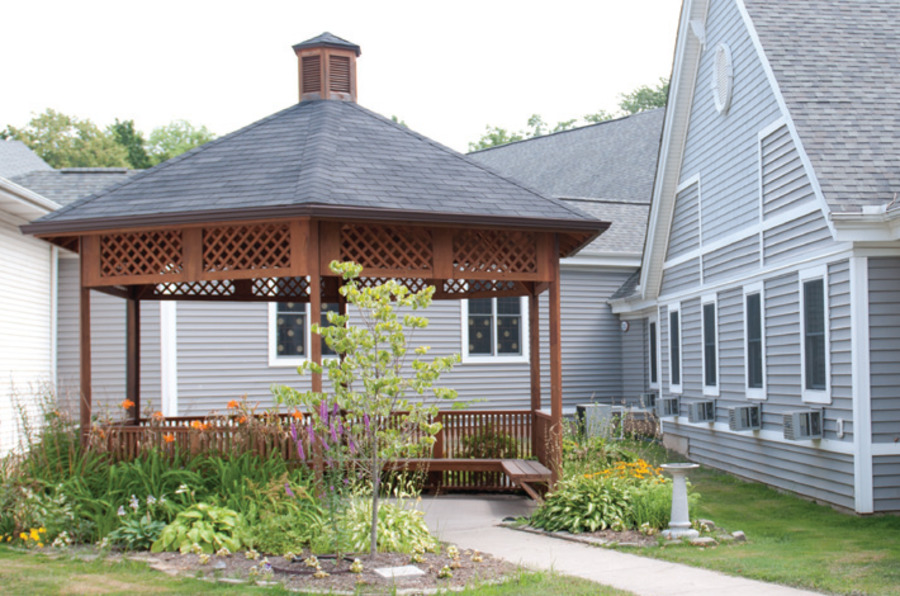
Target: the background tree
(67, 142)
(133, 141)
(641, 99)
(175, 138)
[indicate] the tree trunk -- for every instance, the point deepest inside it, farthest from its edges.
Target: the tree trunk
(376, 489)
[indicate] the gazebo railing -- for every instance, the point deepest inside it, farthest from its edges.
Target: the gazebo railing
(482, 434)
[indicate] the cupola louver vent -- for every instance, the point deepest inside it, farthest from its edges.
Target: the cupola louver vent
(339, 74)
(327, 68)
(312, 74)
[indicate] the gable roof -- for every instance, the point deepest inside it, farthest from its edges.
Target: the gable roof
(16, 158)
(324, 159)
(67, 185)
(604, 169)
(837, 65)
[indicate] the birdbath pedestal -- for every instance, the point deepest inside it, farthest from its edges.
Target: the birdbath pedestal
(680, 521)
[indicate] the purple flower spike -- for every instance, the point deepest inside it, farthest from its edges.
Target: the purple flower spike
(352, 446)
(293, 432)
(340, 427)
(336, 410)
(333, 433)
(300, 453)
(366, 421)
(323, 411)
(287, 489)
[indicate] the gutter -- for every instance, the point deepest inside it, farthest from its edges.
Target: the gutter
(38, 203)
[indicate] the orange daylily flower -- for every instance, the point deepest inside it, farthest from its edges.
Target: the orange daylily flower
(197, 425)
(127, 403)
(157, 416)
(233, 405)
(242, 419)
(169, 438)
(297, 414)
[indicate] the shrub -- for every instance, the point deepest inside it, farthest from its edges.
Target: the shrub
(401, 528)
(201, 528)
(489, 442)
(584, 504)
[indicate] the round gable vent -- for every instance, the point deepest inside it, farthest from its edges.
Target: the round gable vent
(722, 78)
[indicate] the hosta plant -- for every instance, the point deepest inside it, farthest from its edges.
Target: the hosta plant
(584, 503)
(202, 528)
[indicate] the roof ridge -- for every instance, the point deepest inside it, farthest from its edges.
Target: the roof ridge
(568, 130)
(472, 162)
(312, 153)
(166, 164)
(605, 200)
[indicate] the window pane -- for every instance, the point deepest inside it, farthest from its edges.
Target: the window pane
(675, 348)
(814, 326)
(754, 342)
(509, 334)
(480, 306)
(480, 337)
(509, 306)
(291, 333)
(654, 376)
(709, 345)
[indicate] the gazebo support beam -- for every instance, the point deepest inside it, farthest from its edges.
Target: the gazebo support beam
(534, 347)
(133, 356)
(555, 366)
(85, 363)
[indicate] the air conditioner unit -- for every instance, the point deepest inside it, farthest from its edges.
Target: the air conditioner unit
(595, 420)
(667, 408)
(648, 400)
(744, 418)
(805, 424)
(702, 411)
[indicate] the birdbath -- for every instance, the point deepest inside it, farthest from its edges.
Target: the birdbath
(680, 521)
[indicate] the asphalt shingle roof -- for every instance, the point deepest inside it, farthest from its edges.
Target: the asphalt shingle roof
(331, 153)
(615, 159)
(628, 288)
(327, 39)
(16, 158)
(838, 66)
(70, 184)
(604, 169)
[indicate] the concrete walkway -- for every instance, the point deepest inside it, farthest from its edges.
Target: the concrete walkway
(471, 522)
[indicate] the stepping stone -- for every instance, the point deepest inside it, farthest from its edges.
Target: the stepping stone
(404, 571)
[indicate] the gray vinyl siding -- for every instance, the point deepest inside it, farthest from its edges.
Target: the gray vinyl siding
(635, 358)
(680, 278)
(685, 235)
(886, 483)
(797, 238)
(840, 350)
(782, 315)
(784, 180)
(107, 348)
(731, 261)
(884, 342)
(807, 471)
(732, 379)
(691, 349)
(664, 384)
(723, 148)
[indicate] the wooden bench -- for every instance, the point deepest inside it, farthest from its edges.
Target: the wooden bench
(522, 472)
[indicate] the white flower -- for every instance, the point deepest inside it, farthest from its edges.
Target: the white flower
(162, 499)
(182, 488)
(134, 503)
(121, 511)
(151, 500)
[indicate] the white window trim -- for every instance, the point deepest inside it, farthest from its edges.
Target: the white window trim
(709, 390)
(276, 361)
(467, 358)
(815, 396)
(755, 393)
(654, 319)
(676, 307)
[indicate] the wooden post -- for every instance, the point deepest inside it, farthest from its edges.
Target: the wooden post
(555, 366)
(85, 363)
(315, 301)
(534, 347)
(133, 357)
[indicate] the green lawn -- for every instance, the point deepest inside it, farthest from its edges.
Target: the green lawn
(37, 574)
(791, 540)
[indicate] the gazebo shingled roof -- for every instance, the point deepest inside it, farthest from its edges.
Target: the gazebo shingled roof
(258, 214)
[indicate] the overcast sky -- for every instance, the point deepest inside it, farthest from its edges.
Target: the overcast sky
(446, 68)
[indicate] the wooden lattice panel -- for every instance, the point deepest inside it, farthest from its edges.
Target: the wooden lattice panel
(249, 247)
(471, 286)
(141, 253)
(215, 289)
(413, 284)
(494, 251)
(387, 247)
(282, 287)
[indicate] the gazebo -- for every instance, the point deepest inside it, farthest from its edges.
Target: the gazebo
(258, 215)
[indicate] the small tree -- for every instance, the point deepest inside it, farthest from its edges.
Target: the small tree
(370, 380)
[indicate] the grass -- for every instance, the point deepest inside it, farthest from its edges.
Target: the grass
(791, 540)
(37, 574)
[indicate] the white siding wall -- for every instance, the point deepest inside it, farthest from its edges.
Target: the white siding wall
(26, 367)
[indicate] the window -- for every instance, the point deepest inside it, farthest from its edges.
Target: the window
(494, 328)
(654, 353)
(674, 349)
(710, 347)
(754, 346)
(814, 336)
(290, 333)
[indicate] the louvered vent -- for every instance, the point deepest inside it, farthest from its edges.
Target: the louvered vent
(722, 78)
(312, 74)
(339, 74)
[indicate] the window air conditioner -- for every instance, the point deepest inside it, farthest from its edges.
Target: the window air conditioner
(648, 400)
(805, 424)
(667, 408)
(702, 411)
(744, 418)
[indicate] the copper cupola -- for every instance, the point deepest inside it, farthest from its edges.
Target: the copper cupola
(327, 66)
